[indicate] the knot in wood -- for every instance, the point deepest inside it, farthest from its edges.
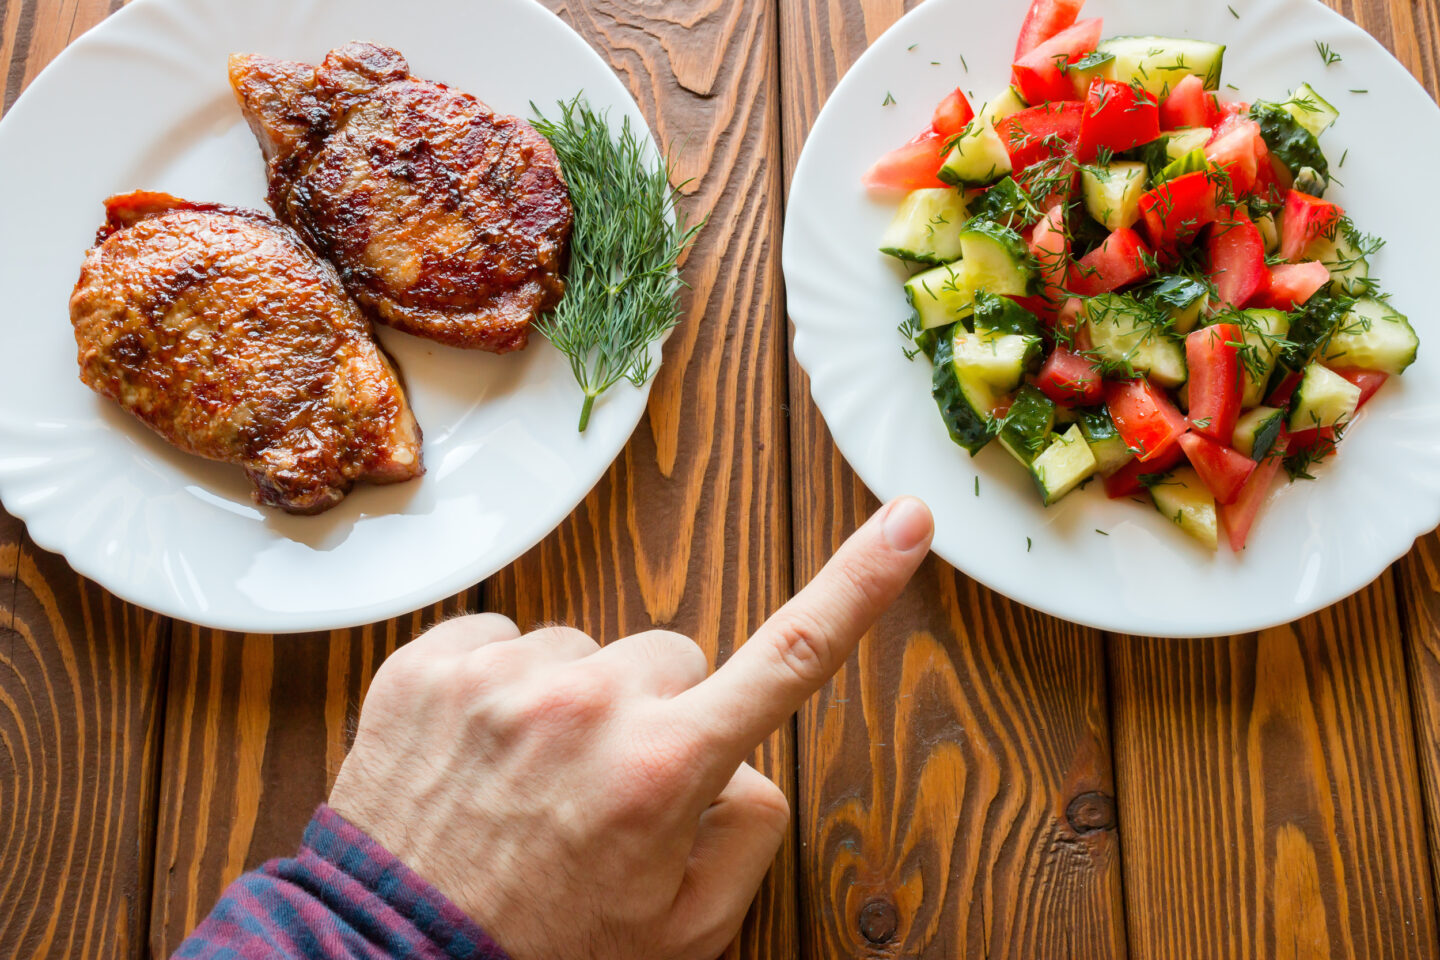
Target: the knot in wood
(879, 921)
(1091, 811)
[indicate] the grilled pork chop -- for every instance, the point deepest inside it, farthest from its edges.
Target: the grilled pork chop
(445, 219)
(220, 330)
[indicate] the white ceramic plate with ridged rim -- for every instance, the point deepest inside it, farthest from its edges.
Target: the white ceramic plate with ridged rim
(142, 100)
(1316, 542)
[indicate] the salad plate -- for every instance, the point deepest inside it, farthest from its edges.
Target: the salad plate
(181, 535)
(1102, 562)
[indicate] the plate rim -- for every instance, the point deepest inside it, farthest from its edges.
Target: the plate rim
(247, 617)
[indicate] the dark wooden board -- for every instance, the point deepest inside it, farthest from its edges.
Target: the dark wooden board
(688, 531)
(81, 696)
(956, 794)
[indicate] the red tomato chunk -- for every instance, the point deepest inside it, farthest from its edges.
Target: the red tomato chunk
(1217, 383)
(1117, 117)
(1148, 422)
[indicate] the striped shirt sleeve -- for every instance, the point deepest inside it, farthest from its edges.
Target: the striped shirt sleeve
(343, 897)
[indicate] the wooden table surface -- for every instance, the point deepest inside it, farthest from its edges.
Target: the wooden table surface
(980, 781)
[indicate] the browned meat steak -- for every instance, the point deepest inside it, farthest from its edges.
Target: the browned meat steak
(224, 333)
(446, 220)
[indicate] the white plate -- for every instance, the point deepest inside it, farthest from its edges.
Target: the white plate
(143, 101)
(1316, 542)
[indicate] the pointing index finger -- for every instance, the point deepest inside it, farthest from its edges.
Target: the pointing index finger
(803, 643)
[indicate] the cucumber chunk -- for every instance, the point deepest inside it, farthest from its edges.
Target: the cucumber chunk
(1310, 110)
(972, 372)
(1180, 142)
(938, 296)
(1192, 162)
(1372, 336)
(1088, 69)
(1157, 64)
(1126, 332)
(994, 259)
(1027, 428)
(926, 228)
(1064, 465)
(979, 155)
(1006, 203)
(1182, 298)
(1323, 399)
(1108, 447)
(1112, 193)
(1263, 330)
(1257, 431)
(1343, 251)
(1186, 502)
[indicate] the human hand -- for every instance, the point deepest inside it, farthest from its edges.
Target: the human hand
(581, 802)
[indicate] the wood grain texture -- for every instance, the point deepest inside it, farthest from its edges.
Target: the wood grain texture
(1268, 785)
(1419, 581)
(82, 682)
(1269, 792)
(255, 730)
(956, 794)
(688, 530)
(81, 694)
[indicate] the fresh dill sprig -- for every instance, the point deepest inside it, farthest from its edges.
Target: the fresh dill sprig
(1327, 53)
(625, 246)
(889, 99)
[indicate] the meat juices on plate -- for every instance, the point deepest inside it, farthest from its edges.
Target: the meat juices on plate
(224, 333)
(445, 219)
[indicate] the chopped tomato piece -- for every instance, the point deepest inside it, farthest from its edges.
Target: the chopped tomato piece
(1176, 211)
(1038, 306)
(1038, 74)
(1236, 151)
(1291, 284)
(1045, 19)
(1236, 255)
(1125, 482)
(1240, 516)
(1216, 381)
(1303, 220)
(1367, 380)
(1148, 422)
(910, 167)
(1069, 378)
(1237, 109)
(1221, 469)
(1319, 442)
(1039, 133)
(1189, 105)
(1118, 117)
(1121, 260)
(1284, 390)
(1052, 252)
(952, 114)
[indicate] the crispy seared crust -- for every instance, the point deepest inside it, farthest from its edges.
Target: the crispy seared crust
(223, 333)
(445, 219)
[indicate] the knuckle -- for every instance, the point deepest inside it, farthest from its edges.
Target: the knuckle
(801, 649)
(569, 698)
(768, 802)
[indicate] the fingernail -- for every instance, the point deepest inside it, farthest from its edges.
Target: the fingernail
(907, 524)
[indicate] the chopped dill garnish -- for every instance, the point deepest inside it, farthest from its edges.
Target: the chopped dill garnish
(1101, 532)
(912, 46)
(889, 99)
(977, 485)
(1359, 91)
(964, 64)
(1232, 11)
(1028, 544)
(622, 284)
(1328, 54)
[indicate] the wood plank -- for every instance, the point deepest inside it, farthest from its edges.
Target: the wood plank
(1268, 784)
(255, 729)
(688, 530)
(81, 694)
(1269, 791)
(956, 794)
(1419, 583)
(82, 682)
